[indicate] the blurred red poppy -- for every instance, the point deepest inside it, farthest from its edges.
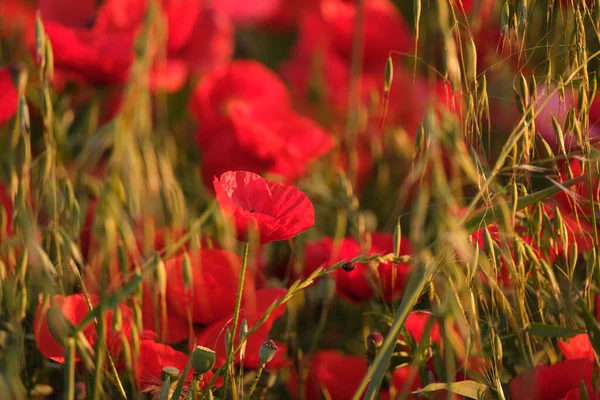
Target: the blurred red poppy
(281, 137)
(215, 275)
(326, 368)
(18, 20)
(552, 382)
(214, 335)
(359, 284)
(75, 308)
(176, 328)
(211, 98)
(8, 96)
(276, 210)
(319, 67)
(153, 357)
(575, 394)
(189, 22)
(243, 13)
(71, 13)
(91, 56)
(384, 29)
(576, 199)
(578, 346)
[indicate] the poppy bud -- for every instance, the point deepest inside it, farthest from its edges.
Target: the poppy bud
(348, 266)
(375, 339)
(203, 359)
(169, 372)
(374, 342)
(57, 324)
(267, 351)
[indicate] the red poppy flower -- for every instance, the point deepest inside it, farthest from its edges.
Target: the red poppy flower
(189, 22)
(552, 382)
(276, 210)
(243, 13)
(8, 96)
(224, 153)
(75, 308)
(214, 335)
(95, 57)
(224, 85)
(18, 20)
(579, 346)
(177, 328)
(358, 284)
(576, 201)
(153, 357)
(216, 274)
(214, 29)
(384, 29)
(319, 68)
(576, 395)
(67, 12)
(326, 368)
(415, 326)
(280, 136)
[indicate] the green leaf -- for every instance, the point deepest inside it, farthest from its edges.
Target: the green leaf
(553, 331)
(470, 389)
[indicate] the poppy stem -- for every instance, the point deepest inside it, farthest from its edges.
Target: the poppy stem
(236, 315)
(255, 382)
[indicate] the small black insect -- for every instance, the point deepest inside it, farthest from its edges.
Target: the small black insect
(348, 267)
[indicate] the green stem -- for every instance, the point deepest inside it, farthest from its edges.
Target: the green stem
(69, 390)
(415, 287)
(236, 316)
(255, 382)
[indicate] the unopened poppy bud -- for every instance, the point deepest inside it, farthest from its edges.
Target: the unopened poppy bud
(375, 339)
(58, 325)
(267, 351)
(348, 266)
(169, 372)
(203, 360)
(374, 342)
